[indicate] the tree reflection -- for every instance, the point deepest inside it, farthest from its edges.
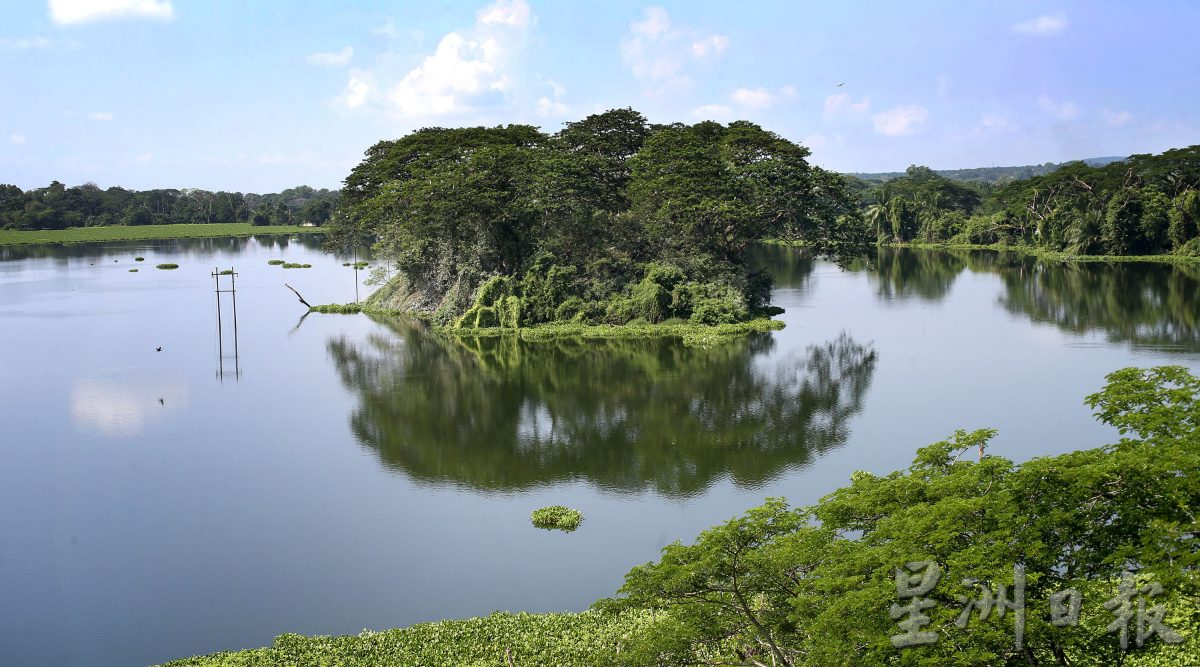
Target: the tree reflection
(1147, 305)
(504, 414)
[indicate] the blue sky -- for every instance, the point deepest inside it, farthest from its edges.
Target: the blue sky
(261, 96)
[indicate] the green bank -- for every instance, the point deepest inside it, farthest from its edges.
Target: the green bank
(144, 233)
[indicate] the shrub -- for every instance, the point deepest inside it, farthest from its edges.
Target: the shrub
(167, 266)
(557, 517)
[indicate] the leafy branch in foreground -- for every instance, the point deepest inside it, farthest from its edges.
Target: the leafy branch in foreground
(810, 586)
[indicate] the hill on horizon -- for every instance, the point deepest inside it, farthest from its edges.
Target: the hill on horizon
(992, 174)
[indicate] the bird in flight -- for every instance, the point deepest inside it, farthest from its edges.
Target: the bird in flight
(840, 84)
(158, 349)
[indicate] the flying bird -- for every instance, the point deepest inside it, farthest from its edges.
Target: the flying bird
(158, 349)
(840, 84)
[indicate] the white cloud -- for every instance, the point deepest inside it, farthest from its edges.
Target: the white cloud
(841, 105)
(711, 45)
(656, 23)
(101, 116)
(789, 92)
(1048, 24)
(661, 55)
(712, 112)
(900, 121)
(1116, 118)
(64, 12)
(548, 107)
(468, 69)
(332, 58)
(994, 122)
(144, 158)
(17, 139)
(754, 98)
(513, 13)
(1061, 111)
(357, 89)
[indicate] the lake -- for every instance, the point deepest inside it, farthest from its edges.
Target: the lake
(331, 473)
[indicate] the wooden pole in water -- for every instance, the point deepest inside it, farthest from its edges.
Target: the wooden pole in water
(217, 291)
(233, 291)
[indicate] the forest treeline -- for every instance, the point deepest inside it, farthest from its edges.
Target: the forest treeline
(992, 175)
(1144, 205)
(57, 206)
(610, 220)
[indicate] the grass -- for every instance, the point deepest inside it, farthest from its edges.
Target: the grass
(293, 265)
(143, 233)
(567, 640)
(337, 308)
(167, 266)
(556, 517)
(275, 262)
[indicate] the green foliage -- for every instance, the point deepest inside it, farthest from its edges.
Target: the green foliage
(139, 259)
(809, 586)
(133, 270)
(57, 207)
(337, 308)
(226, 272)
(295, 265)
(167, 266)
(588, 639)
(599, 222)
(556, 517)
(275, 262)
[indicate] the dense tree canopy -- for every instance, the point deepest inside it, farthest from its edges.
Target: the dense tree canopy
(59, 207)
(609, 220)
(1144, 205)
(814, 586)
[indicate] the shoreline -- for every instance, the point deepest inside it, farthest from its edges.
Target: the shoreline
(13, 237)
(699, 335)
(1029, 251)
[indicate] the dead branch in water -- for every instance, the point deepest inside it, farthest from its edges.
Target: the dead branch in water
(297, 295)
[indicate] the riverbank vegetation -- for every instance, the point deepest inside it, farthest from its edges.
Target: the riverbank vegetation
(1145, 205)
(57, 206)
(144, 233)
(610, 221)
(809, 586)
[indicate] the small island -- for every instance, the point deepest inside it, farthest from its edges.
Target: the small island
(611, 222)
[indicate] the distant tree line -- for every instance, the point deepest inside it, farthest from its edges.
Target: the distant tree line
(57, 206)
(1144, 205)
(992, 175)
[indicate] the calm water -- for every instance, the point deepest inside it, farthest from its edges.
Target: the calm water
(343, 473)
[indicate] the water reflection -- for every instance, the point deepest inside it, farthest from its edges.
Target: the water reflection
(503, 414)
(1144, 304)
(192, 247)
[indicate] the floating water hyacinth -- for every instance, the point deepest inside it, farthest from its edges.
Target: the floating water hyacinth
(557, 517)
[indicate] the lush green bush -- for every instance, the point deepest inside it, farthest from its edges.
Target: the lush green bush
(337, 308)
(557, 517)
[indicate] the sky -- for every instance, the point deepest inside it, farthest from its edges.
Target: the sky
(265, 95)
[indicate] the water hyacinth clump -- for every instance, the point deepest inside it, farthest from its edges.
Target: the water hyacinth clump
(275, 262)
(557, 517)
(139, 259)
(168, 265)
(293, 265)
(133, 270)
